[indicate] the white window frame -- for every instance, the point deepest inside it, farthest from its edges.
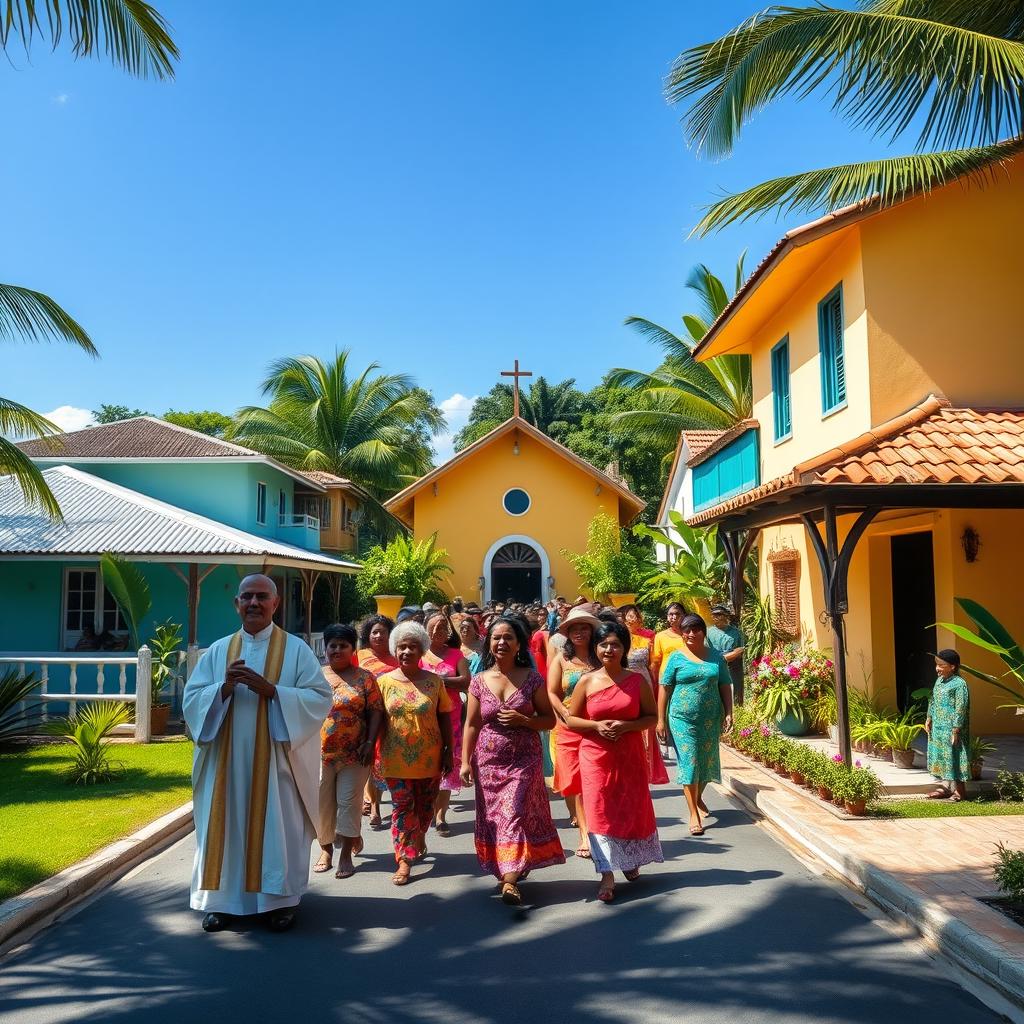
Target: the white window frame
(261, 503)
(70, 637)
(529, 502)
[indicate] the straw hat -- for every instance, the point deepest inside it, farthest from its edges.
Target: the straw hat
(580, 614)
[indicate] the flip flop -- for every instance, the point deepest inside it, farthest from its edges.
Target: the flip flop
(606, 895)
(443, 829)
(375, 823)
(357, 846)
(510, 894)
(343, 874)
(631, 876)
(938, 794)
(698, 831)
(320, 867)
(397, 879)
(583, 851)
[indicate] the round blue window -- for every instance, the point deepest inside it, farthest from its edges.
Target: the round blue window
(516, 501)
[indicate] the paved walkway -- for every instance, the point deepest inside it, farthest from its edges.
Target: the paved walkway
(731, 928)
(947, 862)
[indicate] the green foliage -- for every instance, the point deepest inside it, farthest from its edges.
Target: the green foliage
(978, 749)
(992, 636)
(608, 566)
(697, 566)
(1010, 785)
(87, 730)
(951, 69)
(369, 428)
(1009, 872)
(164, 644)
(216, 424)
(19, 711)
(899, 734)
(129, 589)
(760, 629)
(114, 413)
(857, 783)
(414, 569)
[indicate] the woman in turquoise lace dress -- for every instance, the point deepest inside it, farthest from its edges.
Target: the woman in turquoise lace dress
(949, 727)
(695, 703)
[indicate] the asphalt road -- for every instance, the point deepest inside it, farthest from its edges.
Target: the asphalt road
(730, 928)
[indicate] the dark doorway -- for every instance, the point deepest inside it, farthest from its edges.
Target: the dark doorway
(516, 574)
(913, 613)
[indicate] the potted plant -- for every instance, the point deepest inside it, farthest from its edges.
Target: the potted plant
(977, 751)
(795, 760)
(786, 686)
(609, 567)
(403, 571)
(899, 737)
(859, 787)
(164, 644)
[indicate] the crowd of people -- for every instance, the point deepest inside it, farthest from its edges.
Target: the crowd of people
(513, 701)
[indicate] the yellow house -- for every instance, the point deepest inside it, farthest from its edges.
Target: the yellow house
(883, 473)
(506, 506)
(339, 510)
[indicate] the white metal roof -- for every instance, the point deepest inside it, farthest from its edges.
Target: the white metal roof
(100, 516)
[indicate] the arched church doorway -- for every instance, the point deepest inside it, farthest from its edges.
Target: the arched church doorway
(517, 573)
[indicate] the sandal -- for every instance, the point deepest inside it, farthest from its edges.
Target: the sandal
(443, 830)
(343, 873)
(510, 894)
(375, 823)
(606, 893)
(357, 846)
(631, 876)
(955, 798)
(583, 851)
(697, 831)
(400, 878)
(325, 863)
(939, 794)
(367, 807)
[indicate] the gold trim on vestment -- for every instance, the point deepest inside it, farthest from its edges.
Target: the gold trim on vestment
(213, 855)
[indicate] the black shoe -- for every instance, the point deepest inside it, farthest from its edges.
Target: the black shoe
(282, 919)
(215, 922)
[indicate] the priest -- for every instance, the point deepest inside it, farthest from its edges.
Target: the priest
(254, 705)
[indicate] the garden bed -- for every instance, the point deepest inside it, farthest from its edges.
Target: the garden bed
(47, 824)
(979, 807)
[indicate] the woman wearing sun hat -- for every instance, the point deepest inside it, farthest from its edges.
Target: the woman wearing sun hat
(564, 671)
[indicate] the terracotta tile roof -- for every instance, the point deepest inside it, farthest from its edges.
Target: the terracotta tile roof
(724, 438)
(698, 440)
(141, 437)
(930, 444)
(319, 476)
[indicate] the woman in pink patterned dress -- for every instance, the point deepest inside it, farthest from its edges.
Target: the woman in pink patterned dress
(445, 658)
(507, 710)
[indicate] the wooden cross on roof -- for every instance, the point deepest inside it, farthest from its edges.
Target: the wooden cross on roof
(515, 375)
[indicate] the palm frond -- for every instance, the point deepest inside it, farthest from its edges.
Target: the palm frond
(133, 34)
(891, 180)
(882, 67)
(709, 290)
(28, 315)
(26, 474)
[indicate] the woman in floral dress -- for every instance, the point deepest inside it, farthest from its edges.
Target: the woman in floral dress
(507, 710)
(695, 702)
(375, 656)
(948, 726)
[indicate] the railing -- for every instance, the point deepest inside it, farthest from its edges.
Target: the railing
(82, 664)
(298, 519)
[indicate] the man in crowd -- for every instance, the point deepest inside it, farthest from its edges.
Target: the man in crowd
(726, 638)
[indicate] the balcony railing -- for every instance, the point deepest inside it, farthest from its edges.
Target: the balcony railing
(298, 519)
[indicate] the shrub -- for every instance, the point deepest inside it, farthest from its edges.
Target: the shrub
(414, 569)
(608, 566)
(19, 712)
(1010, 785)
(164, 644)
(1009, 872)
(87, 730)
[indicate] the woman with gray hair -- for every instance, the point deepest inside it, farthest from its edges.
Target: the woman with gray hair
(416, 749)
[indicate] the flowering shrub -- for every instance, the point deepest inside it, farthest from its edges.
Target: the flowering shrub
(789, 680)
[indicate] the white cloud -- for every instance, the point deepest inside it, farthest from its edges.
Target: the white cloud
(456, 409)
(61, 99)
(67, 417)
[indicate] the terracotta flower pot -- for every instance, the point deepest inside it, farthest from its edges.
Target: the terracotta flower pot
(781, 771)
(903, 758)
(388, 604)
(838, 800)
(797, 778)
(158, 715)
(976, 767)
(857, 807)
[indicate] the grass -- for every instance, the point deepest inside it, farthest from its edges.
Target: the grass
(982, 806)
(47, 824)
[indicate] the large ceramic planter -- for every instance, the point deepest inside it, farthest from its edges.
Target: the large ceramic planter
(388, 604)
(158, 715)
(618, 600)
(794, 723)
(903, 758)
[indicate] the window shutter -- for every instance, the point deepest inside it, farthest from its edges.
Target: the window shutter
(830, 345)
(838, 355)
(785, 569)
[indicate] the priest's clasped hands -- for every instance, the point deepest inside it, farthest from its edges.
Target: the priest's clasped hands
(239, 673)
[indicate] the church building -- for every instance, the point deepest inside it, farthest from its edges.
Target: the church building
(504, 509)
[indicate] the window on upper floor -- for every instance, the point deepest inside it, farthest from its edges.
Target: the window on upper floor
(325, 512)
(783, 423)
(282, 507)
(261, 503)
(830, 345)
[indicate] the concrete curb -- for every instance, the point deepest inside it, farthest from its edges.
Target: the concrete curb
(21, 916)
(969, 949)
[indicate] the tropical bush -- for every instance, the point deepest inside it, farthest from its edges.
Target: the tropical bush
(19, 712)
(130, 591)
(697, 566)
(414, 569)
(165, 644)
(609, 565)
(1010, 785)
(856, 783)
(1009, 872)
(87, 730)
(790, 680)
(899, 734)
(759, 627)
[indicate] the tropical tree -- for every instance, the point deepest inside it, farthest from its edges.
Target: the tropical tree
(950, 70)
(682, 394)
(368, 427)
(206, 421)
(135, 38)
(115, 413)
(551, 408)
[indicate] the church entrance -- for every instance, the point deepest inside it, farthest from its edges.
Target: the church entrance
(516, 574)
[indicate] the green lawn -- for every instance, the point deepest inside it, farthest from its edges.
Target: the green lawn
(47, 824)
(979, 807)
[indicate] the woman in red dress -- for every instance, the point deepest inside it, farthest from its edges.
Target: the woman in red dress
(610, 708)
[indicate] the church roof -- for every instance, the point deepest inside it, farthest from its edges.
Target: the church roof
(400, 505)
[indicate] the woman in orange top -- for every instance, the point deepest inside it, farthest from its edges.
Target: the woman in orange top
(375, 656)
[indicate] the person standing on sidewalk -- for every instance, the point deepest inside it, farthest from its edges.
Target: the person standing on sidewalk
(725, 637)
(948, 726)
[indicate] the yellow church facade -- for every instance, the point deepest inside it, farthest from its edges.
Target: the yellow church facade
(505, 508)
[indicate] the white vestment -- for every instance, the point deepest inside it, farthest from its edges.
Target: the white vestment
(295, 714)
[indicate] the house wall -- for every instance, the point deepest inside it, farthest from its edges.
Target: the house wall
(468, 517)
(797, 316)
(942, 279)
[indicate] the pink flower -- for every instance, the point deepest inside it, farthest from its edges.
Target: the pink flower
(856, 764)
(838, 758)
(793, 671)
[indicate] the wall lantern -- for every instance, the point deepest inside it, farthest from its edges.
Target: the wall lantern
(515, 446)
(971, 543)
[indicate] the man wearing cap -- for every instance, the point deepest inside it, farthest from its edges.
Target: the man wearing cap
(727, 639)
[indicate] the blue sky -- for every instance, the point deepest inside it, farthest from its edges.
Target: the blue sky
(439, 187)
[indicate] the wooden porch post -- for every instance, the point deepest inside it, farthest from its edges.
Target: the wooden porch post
(193, 604)
(835, 569)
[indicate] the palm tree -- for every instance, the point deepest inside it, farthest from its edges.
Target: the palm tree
(135, 38)
(682, 394)
(953, 70)
(367, 428)
(551, 408)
